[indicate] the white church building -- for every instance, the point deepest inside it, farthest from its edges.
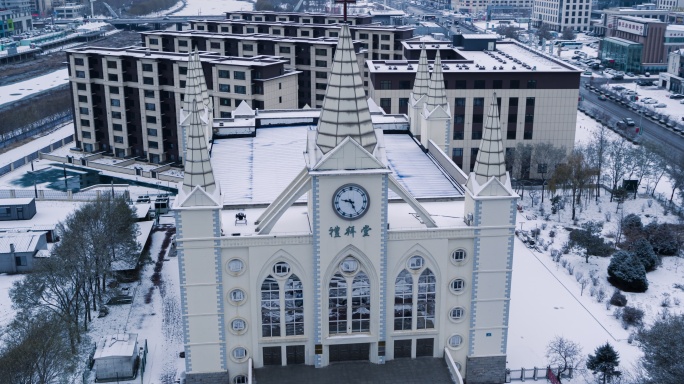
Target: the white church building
(322, 236)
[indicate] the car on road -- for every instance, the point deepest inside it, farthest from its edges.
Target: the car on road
(644, 83)
(630, 74)
(602, 97)
(629, 121)
(647, 74)
(618, 77)
(587, 73)
(650, 101)
(676, 96)
(661, 105)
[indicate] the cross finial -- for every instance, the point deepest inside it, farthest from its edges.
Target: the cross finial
(344, 4)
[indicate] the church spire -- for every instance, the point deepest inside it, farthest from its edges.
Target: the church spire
(195, 121)
(420, 84)
(436, 92)
(490, 159)
(345, 108)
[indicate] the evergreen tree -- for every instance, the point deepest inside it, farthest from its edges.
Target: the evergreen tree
(626, 272)
(604, 362)
(663, 347)
(643, 250)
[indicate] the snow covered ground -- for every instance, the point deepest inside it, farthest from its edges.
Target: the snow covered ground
(213, 7)
(17, 91)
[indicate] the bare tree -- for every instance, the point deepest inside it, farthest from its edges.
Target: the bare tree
(546, 157)
(596, 154)
(564, 353)
(544, 32)
(568, 34)
(645, 161)
(509, 31)
(617, 161)
(575, 174)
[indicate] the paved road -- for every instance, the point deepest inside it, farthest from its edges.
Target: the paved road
(651, 131)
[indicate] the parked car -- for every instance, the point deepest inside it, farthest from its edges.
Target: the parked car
(602, 97)
(618, 77)
(661, 105)
(629, 121)
(676, 96)
(630, 74)
(647, 74)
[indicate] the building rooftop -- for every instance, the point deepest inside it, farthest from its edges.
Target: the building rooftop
(380, 27)
(23, 241)
(246, 36)
(621, 41)
(645, 20)
(508, 57)
(16, 201)
(119, 345)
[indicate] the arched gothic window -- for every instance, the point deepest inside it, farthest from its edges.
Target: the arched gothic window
(278, 303)
(403, 301)
(414, 301)
(349, 309)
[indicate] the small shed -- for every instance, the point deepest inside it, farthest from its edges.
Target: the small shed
(18, 251)
(115, 357)
(17, 209)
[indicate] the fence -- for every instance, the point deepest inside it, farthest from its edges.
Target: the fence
(49, 194)
(34, 128)
(536, 373)
(7, 168)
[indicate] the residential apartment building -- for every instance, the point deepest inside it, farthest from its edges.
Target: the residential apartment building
(670, 5)
(538, 102)
(561, 14)
(382, 42)
(310, 56)
(299, 17)
(127, 100)
(609, 17)
(673, 78)
(477, 6)
(15, 16)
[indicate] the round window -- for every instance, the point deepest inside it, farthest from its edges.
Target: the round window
(349, 265)
(239, 353)
(238, 326)
(237, 296)
(415, 263)
(455, 341)
(457, 313)
(281, 269)
(458, 256)
(457, 285)
(235, 266)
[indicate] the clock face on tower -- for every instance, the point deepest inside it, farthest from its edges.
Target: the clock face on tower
(350, 201)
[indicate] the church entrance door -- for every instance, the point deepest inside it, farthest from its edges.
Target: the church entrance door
(425, 347)
(349, 352)
(402, 348)
(295, 354)
(272, 356)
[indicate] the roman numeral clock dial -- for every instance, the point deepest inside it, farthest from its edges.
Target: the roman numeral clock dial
(351, 201)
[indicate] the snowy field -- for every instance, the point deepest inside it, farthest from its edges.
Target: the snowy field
(17, 91)
(213, 7)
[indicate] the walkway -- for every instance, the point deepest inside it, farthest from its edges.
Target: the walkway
(404, 371)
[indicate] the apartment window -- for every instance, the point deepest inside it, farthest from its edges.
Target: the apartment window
(304, 33)
(478, 102)
(497, 84)
(225, 114)
(515, 84)
(85, 123)
(320, 97)
(321, 63)
(116, 115)
(151, 119)
(115, 102)
(80, 74)
(215, 45)
(321, 75)
(224, 101)
(78, 61)
(148, 81)
(154, 41)
(385, 84)
(182, 70)
(384, 37)
(85, 134)
(113, 90)
(151, 132)
(111, 64)
(113, 77)
(181, 84)
(460, 84)
(241, 89)
(182, 43)
(284, 49)
(118, 139)
(247, 47)
(384, 57)
(333, 34)
(81, 87)
(403, 104)
(276, 32)
(82, 99)
(239, 75)
(147, 67)
(321, 86)
(404, 84)
(531, 84)
(386, 104)
(153, 144)
(224, 87)
(117, 127)
(529, 102)
(385, 47)
(479, 84)
(149, 93)
(321, 52)
(223, 74)
(363, 36)
(460, 102)
(150, 107)
(457, 155)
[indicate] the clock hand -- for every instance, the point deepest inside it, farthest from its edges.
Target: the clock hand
(350, 201)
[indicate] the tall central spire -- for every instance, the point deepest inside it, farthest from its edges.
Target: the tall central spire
(490, 159)
(195, 121)
(436, 93)
(345, 108)
(420, 84)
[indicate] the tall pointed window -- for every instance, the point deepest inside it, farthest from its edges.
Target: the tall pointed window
(349, 309)
(415, 297)
(282, 297)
